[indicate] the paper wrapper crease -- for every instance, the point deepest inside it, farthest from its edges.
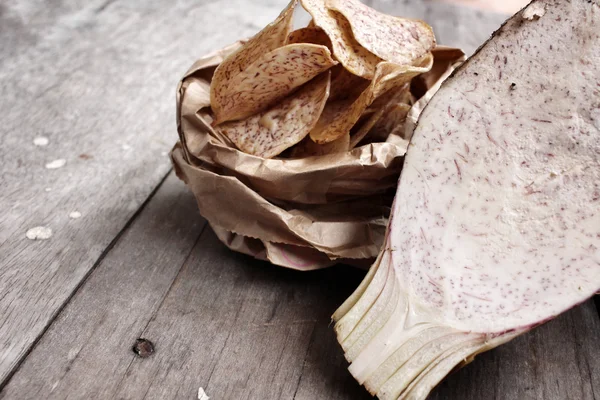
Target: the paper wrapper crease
(300, 213)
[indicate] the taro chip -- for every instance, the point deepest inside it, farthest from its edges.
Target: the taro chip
(270, 78)
(379, 110)
(340, 116)
(370, 117)
(308, 148)
(395, 106)
(391, 122)
(399, 40)
(310, 35)
(270, 132)
(346, 49)
(449, 54)
(270, 38)
(336, 120)
(345, 84)
(362, 128)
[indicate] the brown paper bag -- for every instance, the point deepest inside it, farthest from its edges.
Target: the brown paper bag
(305, 213)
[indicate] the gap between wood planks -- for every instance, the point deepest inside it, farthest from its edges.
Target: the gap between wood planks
(164, 297)
(82, 282)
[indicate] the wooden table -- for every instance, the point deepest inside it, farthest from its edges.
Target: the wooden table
(97, 79)
(505, 6)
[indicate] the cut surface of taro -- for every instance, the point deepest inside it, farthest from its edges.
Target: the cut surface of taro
(496, 223)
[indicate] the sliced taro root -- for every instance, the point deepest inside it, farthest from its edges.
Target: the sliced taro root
(270, 78)
(346, 49)
(495, 228)
(270, 132)
(340, 116)
(399, 40)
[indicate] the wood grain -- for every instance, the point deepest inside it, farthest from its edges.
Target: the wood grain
(502, 6)
(237, 327)
(100, 325)
(97, 78)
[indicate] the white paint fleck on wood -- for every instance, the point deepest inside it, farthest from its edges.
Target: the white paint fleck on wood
(41, 141)
(39, 233)
(58, 163)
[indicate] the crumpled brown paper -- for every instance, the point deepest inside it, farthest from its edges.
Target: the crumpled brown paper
(305, 213)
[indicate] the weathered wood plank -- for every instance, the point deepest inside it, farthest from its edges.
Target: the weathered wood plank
(243, 329)
(237, 327)
(97, 78)
(92, 349)
(325, 370)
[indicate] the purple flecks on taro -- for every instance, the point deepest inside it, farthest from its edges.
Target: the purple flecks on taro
(538, 167)
(268, 133)
(496, 225)
(270, 78)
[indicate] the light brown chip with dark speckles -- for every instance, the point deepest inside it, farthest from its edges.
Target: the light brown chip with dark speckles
(392, 122)
(399, 40)
(340, 116)
(308, 148)
(270, 38)
(388, 113)
(269, 79)
(270, 132)
(312, 35)
(346, 49)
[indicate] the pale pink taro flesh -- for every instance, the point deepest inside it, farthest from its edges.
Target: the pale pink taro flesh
(496, 222)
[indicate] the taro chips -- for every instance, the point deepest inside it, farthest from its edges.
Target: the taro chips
(293, 140)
